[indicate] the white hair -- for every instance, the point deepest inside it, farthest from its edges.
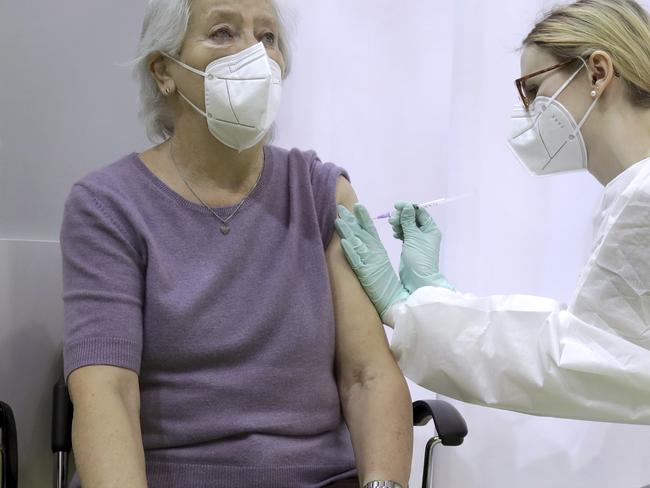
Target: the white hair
(163, 30)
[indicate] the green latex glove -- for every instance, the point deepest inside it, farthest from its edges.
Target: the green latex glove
(419, 265)
(368, 259)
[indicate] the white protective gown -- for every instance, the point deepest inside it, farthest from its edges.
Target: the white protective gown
(533, 355)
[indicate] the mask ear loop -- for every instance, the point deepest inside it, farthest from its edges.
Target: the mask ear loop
(582, 122)
(552, 99)
(186, 66)
(568, 82)
(193, 70)
(563, 87)
(584, 119)
(209, 77)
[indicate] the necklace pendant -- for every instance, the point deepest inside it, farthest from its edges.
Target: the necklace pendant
(225, 230)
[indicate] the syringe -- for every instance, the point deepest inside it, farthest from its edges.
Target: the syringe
(435, 203)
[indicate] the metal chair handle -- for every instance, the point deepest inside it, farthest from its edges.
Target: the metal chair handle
(61, 432)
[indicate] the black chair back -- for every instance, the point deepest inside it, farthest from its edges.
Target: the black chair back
(8, 447)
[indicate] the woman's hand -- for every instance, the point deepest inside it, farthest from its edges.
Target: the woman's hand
(368, 258)
(419, 265)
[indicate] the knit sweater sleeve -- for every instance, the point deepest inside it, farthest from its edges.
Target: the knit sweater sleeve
(324, 177)
(103, 286)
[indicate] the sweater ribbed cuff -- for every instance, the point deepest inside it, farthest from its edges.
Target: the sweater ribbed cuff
(104, 351)
(216, 476)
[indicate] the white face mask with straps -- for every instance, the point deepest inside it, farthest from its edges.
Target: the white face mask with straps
(242, 96)
(546, 138)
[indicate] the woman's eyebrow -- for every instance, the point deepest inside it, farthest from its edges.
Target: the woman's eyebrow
(266, 19)
(224, 13)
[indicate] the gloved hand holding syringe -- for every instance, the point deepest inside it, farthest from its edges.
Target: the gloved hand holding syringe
(413, 225)
(435, 203)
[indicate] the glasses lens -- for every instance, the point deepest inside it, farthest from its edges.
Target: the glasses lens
(529, 90)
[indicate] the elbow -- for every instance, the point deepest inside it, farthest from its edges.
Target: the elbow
(362, 380)
(361, 377)
(355, 382)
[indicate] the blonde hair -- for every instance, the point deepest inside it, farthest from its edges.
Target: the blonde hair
(619, 27)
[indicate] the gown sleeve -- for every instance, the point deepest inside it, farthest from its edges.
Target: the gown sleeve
(533, 355)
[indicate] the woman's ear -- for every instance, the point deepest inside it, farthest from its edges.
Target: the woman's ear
(158, 66)
(601, 71)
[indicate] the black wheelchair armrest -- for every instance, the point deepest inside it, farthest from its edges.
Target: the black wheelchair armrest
(450, 427)
(8, 448)
(449, 423)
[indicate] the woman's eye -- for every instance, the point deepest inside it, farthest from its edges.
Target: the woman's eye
(269, 39)
(222, 34)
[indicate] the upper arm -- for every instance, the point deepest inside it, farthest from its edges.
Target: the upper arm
(361, 344)
(619, 270)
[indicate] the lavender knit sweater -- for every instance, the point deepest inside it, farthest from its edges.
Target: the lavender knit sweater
(232, 336)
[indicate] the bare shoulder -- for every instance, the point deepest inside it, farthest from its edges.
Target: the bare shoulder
(345, 194)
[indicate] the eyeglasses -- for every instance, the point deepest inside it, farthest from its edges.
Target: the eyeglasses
(521, 82)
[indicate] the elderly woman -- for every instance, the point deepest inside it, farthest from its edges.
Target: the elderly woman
(215, 333)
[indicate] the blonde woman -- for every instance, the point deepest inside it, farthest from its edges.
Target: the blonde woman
(585, 95)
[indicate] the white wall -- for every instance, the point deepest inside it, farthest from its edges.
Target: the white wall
(412, 97)
(31, 328)
(66, 109)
